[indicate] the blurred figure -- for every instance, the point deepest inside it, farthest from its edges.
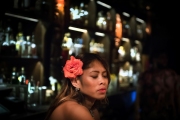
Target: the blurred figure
(158, 92)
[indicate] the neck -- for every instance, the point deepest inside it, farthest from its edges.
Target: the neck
(88, 103)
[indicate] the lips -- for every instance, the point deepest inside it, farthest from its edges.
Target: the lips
(102, 90)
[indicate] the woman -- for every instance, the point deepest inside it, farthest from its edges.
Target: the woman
(84, 90)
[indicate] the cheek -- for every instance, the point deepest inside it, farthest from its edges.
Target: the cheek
(87, 82)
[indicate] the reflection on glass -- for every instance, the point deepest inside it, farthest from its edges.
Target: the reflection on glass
(96, 47)
(126, 75)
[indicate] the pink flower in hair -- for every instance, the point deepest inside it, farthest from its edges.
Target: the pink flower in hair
(73, 68)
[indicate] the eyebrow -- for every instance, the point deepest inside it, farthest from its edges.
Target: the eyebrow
(98, 71)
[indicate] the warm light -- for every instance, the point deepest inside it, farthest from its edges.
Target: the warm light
(138, 57)
(99, 34)
(148, 7)
(33, 45)
(103, 4)
(137, 41)
(78, 45)
(147, 30)
(22, 17)
(60, 5)
(126, 14)
(140, 20)
(125, 39)
(117, 41)
(76, 14)
(118, 29)
(133, 52)
(121, 51)
(77, 29)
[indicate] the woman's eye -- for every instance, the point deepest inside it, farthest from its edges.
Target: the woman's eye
(94, 76)
(105, 76)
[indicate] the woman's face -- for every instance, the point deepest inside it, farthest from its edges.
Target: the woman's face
(94, 81)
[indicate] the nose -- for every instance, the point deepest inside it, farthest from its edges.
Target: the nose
(103, 80)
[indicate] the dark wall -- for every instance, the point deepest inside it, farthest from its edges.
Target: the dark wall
(165, 36)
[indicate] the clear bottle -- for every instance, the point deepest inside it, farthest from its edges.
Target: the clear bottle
(15, 5)
(14, 76)
(33, 47)
(23, 47)
(22, 76)
(31, 90)
(5, 48)
(18, 44)
(1, 34)
(86, 15)
(19, 38)
(2, 76)
(31, 85)
(12, 45)
(28, 47)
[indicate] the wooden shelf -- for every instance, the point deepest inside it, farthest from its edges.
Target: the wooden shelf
(92, 29)
(23, 12)
(19, 59)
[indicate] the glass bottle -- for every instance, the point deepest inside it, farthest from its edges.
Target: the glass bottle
(12, 45)
(28, 47)
(33, 47)
(1, 34)
(5, 49)
(14, 76)
(2, 76)
(19, 38)
(8, 32)
(31, 85)
(23, 47)
(22, 76)
(31, 91)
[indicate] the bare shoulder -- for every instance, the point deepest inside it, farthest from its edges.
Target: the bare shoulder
(71, 110)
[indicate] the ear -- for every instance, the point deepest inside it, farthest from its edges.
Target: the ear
(75, 82)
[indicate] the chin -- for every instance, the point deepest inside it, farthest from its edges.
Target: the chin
(101, 97)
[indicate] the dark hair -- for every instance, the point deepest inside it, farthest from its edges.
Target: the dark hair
(68, 91)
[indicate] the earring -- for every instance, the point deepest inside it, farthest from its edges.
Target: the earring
(77, 89)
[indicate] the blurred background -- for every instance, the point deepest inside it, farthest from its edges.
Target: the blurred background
(38, 36)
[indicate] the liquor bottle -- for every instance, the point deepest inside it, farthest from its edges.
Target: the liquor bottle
(26, 3)
(27, 47)
(2, 39)
(31, 85)
(1, 34)
(19, 38)
(12, 45)
(5, 49)
(38, 5)
(23, 47)
(14, 76)
(109, 25)
(33, 47)
(20, 30)
(2, 76)
(86, 15)
(81, 11)
(15, 4)
(22, 76)
(31, 92)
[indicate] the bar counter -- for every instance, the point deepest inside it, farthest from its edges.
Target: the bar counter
(121, 105)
